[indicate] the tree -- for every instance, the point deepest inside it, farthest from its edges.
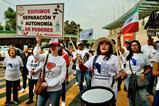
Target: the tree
(71, 28)
(10, 16)
(1, 27)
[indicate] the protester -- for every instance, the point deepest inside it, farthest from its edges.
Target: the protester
(74, 65)
(55, 72)
(157, 45)
(34, 67)
(127, 44)
(149, 50)
(156, 73)
(80, 75)
(65, 55)
(104, 65)
(12, 64)
(24, 70)
(139, 64)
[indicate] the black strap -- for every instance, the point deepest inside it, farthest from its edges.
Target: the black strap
(130, 67)
(94, 60)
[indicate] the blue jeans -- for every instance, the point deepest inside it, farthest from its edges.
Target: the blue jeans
(87, 76)
(151, 79)
(141, 98)
(80, 76)
(54, 98)
(156, 99)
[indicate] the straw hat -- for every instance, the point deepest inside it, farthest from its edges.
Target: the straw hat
(96, 43)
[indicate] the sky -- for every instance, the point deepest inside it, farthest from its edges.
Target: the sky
(88, 13)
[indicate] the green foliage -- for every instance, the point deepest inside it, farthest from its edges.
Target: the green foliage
(7, 27)
(10, 16)
(1, 28)
(71, 28)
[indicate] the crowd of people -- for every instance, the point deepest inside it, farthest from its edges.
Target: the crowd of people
(105, 64)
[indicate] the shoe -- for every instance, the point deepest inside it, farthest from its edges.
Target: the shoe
(63, 103)
(22, 90)
(29, 101)
(7, 103)
(76, 83)
(15, 102)
(84, 83)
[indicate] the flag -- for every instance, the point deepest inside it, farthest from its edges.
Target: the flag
(131, 25)
(86, 34)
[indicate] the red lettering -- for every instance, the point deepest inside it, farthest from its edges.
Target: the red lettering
(27, 29)
(29, 12)
(42, 29)
(39, 11)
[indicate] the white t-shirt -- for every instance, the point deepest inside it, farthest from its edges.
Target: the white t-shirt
(35, 65)
(137, 62)
(149, 51)
(55, 70)
(104, 71)
(156, 59)
(12, 72)
(80, 52)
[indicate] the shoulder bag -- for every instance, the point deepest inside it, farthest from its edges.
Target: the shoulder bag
(39, 90)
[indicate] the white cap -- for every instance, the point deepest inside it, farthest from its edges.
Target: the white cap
(25, 46)
(54, 41)
(78, 43)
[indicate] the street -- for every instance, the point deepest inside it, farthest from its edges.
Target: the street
(72, 94)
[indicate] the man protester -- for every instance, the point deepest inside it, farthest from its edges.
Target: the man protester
(24, 70)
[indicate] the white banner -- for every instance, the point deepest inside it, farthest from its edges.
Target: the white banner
(86, 34)
(45, 19)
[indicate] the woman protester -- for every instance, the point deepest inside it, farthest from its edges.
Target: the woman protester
(34, 67)
(12, 64)
(104, 65)
(136, 63)
(55, 72)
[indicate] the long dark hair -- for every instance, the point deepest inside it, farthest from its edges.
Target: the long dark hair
(131, 52)
(107, 54)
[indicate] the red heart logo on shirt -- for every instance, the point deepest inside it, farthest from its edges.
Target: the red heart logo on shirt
(50, 65)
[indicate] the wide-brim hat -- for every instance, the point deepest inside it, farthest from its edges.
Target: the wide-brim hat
(96, 43)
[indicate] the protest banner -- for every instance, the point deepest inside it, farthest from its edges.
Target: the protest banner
(44, 19)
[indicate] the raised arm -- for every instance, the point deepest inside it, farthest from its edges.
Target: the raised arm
(37, 49)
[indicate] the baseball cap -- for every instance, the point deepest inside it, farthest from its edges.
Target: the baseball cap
(54, 41)
(25, 46)
(78, 43)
